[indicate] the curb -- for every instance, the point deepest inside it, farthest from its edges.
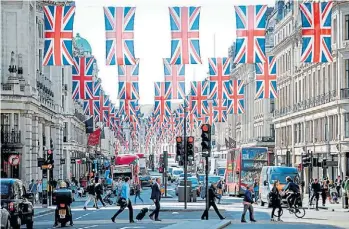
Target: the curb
(224, 225)
(49, 210)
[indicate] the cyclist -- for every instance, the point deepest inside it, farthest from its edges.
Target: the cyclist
(294, 188)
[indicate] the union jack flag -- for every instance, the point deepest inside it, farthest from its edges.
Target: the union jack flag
(266, 79)
(185, 46)
(119, 33)
(128, 108)
(316, 32)
(209, 114)
(174, 80)
(88, 107)
(82, 72)
(199, 93)
(58, 33)
(219, 70)
(235, 103)
(128, 81)
(105, 109)
(250, 34)
(97, 87)
(162, 108)
(220, 110)
(112, 111)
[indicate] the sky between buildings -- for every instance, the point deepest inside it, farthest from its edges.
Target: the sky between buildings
(152, 37)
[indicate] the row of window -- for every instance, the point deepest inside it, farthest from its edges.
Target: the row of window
(8, 124)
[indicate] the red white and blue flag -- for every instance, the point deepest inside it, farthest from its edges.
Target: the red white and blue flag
(209, 114)
(220, 107)
(185, 46)
(82, 74)
(119, 33)
(266, 79)
(128, 108)
(128, 76)
(219, 71)
(162, 108)
(316, 32)
(235, 102)
(199, 93)
(174, 79)
(58, 35)
(251, 24)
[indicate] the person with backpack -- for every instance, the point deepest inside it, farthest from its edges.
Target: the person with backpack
(91, 194)
(275, 200)
(138, 192)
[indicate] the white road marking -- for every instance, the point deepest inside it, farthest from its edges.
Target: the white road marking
(88, 227)
(38, 216)
(82, 216)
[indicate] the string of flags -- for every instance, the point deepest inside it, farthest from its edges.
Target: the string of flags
(209, 101)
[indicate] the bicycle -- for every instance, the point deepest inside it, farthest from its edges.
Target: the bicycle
(296, 209)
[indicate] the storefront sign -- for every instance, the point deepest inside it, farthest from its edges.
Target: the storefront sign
(62, 160)
(72, 160)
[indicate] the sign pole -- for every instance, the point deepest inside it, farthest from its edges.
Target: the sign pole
(185, 156)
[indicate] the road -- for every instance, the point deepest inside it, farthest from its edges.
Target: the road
(231, 209)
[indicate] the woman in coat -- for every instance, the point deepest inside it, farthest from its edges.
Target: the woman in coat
(275, 199)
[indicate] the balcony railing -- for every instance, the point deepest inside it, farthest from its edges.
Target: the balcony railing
(10, 137)
(309, 103)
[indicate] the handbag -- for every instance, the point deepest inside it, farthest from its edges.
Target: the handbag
(122, 202)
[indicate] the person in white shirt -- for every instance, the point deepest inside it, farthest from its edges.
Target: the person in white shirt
(39, 187)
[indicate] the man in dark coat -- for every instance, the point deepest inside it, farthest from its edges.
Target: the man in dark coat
(211, 198)
(156, 197)
(316, 188)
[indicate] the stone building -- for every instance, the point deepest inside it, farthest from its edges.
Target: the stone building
(311, 114)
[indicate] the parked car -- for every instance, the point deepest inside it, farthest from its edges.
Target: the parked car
(18, 202)
(145, 181)
(176, 173)
(5, 219)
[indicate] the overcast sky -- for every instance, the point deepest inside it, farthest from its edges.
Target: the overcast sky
(152, 37)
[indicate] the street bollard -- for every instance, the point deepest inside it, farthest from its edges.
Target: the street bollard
(344, 200)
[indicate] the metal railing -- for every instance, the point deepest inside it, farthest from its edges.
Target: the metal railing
(10, 137)
(309, 103)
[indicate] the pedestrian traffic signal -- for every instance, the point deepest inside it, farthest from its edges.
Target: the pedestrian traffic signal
(190, 148)
(306, 160)
(179, 148)
(49, 160)
(206, 140)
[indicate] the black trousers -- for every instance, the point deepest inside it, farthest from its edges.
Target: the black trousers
(99, 197)
(324, 196)
(156, 210)
(338, 188)
(213, 204)
(316, 196)
(275, 206)
(122, 208)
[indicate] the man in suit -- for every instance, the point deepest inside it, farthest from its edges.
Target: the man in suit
(156, 196)
(212, 197)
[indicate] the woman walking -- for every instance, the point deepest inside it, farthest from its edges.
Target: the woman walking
(275, 199)
(138, 193)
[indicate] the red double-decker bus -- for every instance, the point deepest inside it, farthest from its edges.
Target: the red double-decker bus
(243, 166)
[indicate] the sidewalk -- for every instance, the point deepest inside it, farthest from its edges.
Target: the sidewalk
(202, 224)
(328, 205)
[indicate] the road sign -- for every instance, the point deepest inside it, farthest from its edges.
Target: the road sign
(72, 160)
(62, 161)
(331, 163)
(13, 160)
(41, 161)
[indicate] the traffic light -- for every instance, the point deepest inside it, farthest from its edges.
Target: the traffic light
(51, 144)
(206, 140)
(50, 160)
(179, 148)
(190, 148)
(306, 160)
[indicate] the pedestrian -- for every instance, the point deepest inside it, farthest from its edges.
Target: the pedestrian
(156, 197)
(256, 189)
(40, 191)
(99, 192)
(138, 192)
(346, 188)
(338, 183)
(324, 192)
(316, 189)
(275, 199)
(248, 201)
(211, 199)
(125, 201)
(91, 194)
(219, 191)
(33, 189)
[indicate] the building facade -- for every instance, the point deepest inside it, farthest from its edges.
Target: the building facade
(311, 114)
(37, 110)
